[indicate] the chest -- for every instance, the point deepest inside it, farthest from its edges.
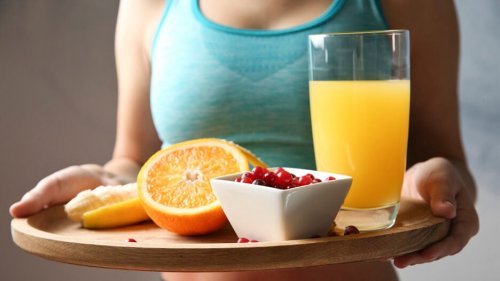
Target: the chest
(262, 14)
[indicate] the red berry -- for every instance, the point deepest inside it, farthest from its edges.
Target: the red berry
(283, 179)
(351, 229)
(330, 178)
(305, 180)
(310, 175)
(247, 178)
(243, 240)
(270, 178)
(295, 182)
(258, 172)
(248, 174)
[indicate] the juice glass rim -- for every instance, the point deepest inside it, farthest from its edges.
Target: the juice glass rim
(370, 32)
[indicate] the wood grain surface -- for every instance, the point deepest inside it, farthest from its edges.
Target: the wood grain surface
(51, 235)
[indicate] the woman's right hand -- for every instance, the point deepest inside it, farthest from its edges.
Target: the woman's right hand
(62, 186)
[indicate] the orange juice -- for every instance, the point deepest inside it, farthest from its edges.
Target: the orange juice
(360, 128)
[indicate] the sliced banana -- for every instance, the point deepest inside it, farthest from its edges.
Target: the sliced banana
(88, 200)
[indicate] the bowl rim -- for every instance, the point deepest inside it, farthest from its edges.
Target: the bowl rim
(231, 177)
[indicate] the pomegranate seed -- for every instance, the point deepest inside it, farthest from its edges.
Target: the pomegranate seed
(270, 178)
(305, 180)
(316, 180)
(330, 178)
(131, 240)
(259, 172)
(248, 175)
(295, 182)
(310, 175)
(283, 179)
(293, 175)
(243, 240)
(238, 179)
(351, 229)
(247, 178)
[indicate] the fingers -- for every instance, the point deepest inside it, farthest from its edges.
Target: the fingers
(463, 228)
(410, 259)
(57, 188)
(440, 183)
(23, 208)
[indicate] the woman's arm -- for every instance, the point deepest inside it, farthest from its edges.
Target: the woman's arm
(136, 138)
(439, 172)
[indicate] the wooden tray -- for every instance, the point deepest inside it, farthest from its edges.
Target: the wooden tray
(51, 235)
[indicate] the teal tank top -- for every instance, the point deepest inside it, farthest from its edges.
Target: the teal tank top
(248, 86)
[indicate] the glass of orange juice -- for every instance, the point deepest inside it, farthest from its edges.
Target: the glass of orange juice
(359, 90)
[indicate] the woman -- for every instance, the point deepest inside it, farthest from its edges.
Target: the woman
(238, 70)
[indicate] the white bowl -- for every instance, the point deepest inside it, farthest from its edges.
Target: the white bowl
(264, 213)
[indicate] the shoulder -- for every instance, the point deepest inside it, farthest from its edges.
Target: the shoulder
(409, 13)
(137, 21)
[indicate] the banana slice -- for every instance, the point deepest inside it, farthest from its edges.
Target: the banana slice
(88, 200)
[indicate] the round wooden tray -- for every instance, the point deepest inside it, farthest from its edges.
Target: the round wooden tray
(51, 235)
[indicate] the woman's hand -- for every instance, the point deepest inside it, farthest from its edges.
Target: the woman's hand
(444, 186)
(62, 186)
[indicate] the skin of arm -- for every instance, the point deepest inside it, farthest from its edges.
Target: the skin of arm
(136, 137)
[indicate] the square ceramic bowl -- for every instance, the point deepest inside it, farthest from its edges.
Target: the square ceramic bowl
(264, 213)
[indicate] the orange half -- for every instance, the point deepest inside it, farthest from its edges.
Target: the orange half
(174, 184)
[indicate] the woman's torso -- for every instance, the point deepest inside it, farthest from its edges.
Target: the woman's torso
(249, 86)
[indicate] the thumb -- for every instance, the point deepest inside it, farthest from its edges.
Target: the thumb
(438, 184)
(444, 208)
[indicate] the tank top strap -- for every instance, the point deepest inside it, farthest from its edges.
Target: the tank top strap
(356, 10)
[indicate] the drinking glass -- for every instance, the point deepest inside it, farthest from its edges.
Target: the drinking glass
(359, 85)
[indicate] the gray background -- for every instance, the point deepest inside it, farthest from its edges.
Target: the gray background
(57, 108)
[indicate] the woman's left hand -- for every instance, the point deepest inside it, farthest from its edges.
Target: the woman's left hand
(442, 185)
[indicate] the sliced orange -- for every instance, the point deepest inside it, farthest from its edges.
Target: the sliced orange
(174, 184)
